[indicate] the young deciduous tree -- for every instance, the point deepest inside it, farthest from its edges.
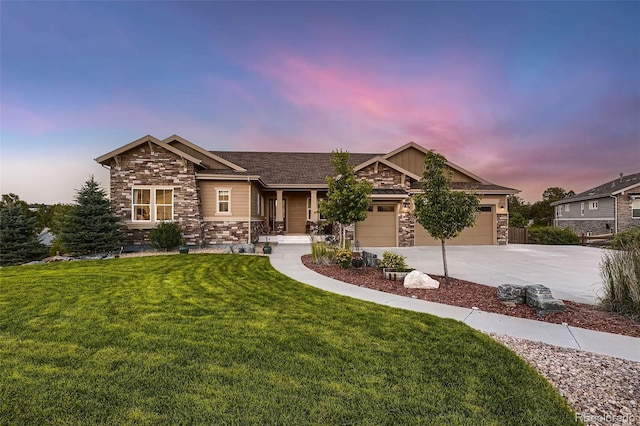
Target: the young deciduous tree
(347, 199)
(444, 213)
(18, 238)
(91, 226)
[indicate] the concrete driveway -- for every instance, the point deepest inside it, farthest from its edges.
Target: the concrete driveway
(571, 272)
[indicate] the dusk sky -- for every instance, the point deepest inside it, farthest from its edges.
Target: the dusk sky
(525, 94)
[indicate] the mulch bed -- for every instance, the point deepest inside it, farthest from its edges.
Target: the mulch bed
(468, 295)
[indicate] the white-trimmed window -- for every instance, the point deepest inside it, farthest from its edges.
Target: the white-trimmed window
(141, 205)
(164, 204)
(635, 208)
(582, 209)
(593, 205)
(223, 205)
(558, 211)
(152, 204)
(567, 207)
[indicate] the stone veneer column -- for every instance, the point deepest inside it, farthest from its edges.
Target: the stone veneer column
(406, 225)
(502, 228)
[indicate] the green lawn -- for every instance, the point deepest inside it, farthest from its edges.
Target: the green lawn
(226, 339)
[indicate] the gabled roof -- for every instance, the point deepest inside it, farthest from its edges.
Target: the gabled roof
(105, 159)
(383, 160)
(288, 169)
(613, 187)
(449, 163)
(175, 138)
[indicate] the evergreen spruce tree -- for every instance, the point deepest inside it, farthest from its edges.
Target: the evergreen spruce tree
(444, 213)
(91, 226)
(18, 238)
(347, 200)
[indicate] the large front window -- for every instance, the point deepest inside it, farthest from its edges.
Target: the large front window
(152, 204)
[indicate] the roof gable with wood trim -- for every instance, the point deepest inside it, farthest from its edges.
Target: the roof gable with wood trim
(411, 156)
(150, 140)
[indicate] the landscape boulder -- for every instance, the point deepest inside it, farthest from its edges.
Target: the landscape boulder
(417, 279)
(370, 259)
(539, 298)
(512, 293)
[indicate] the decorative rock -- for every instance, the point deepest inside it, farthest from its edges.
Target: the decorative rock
(512, 293)
(249, 248)
(370, 259)
(417, 279)
(539, 298)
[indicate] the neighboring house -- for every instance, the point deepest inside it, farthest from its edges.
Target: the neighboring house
(605, 209)
(222, 197)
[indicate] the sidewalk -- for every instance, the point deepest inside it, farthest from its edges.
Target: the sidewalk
(286, 259)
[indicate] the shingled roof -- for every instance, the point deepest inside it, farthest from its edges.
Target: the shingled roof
(612, 187)
(281, 168)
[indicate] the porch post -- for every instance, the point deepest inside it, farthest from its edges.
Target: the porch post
(279, 205)
(279, 213)
(314, 206)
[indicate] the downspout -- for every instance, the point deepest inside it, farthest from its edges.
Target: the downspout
(250, 200)
(615, 213)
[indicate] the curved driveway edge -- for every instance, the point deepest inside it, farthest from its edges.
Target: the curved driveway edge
(571, 272)
(286, 259)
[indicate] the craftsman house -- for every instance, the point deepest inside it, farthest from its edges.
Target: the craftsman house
(606, 209)
(222, 197)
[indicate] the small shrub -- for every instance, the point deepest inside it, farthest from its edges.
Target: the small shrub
(166, 236)
(391, 260)
(323, 253)
(344, 257)
(620, 271)
(555, 236)
(626, 238)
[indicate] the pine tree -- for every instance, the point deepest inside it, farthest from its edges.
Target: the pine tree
(444, 213)
(347, 200)
(91, 226)
(18, 238)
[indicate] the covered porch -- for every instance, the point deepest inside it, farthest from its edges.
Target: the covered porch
(294, 212)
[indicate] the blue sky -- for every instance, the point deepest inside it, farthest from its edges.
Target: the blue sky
(525, 94)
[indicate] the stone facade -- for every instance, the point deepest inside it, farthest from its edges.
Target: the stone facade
(502, 228)
(595, 227)
(384, 177)
(153, 165)
(228, 232)
(406, 224)
(625, 219)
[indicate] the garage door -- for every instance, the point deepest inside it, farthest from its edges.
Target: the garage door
(379, 229)
(481, 233)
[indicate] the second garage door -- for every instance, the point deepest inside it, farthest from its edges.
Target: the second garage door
(379, 229)
(481, 234)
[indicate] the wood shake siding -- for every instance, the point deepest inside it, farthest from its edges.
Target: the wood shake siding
(239, 200)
